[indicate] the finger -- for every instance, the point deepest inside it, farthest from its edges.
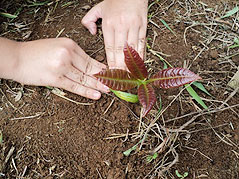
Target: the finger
(141, 42)
(81, 90)
(109, 40)
(120, 40)
(133, 37)
(89, 20)
(84, 80)
(85, 63)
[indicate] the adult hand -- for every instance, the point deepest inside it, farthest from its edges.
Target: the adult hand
(122, 21)
(60, 63)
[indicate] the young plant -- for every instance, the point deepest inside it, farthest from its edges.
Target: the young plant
(181, 176)
(137, 76)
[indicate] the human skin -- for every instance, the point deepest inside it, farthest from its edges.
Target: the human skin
(51, 62)
(122, 21)
(62, 63)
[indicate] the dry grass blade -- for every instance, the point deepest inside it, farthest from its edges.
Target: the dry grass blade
(27, 117)
(59, 93)
(111, 103)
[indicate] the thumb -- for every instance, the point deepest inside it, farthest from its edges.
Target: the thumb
(89, 20)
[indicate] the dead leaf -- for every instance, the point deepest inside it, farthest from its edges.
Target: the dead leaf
(234, 83)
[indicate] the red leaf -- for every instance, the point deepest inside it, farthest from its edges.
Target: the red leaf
(174, 77)
(117, 79)
(134, 63)
(146, 97)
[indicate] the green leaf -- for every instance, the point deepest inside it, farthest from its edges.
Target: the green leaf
(234, 46)
(178, 174)
(126, 96)
(185, 174)
(127, 152)
(49, 87)
(201, 87)
(67, 4)
(167, 26)
(165, 66)
(181, 176)
(154, 2)
(236, 41)
(147, 97)
(231, 12)
(117, 79)
(134, 63)
(150, 158)
(37, 3)
(1, 137)
(160, 105)
(10, 16)
(195, 96)
(173, 77)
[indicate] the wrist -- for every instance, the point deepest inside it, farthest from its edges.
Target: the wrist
(9, 59)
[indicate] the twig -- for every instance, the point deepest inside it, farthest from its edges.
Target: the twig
(68, 99)
(115, 136)
(199, 152)
(27, 117)
(99, 173)
(8, 100)
(58, 35)
(109, 106)
(229, 97)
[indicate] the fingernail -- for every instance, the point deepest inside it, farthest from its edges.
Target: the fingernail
(97, 95)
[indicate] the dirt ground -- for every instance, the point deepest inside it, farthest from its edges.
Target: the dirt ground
(46, 136)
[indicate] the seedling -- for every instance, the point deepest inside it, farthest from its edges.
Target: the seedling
(127, 152)
(137, 76)
(1, 138)
(150, 158)
(181, 176)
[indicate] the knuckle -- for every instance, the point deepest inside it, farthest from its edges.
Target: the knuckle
(88, 67)
(83, 79)
(109, 22)
(133, 18)
(58, 63)
(62, 59)
(124, 20)
(109, 48)
(69, 43)
(63, 55)
(119, 49)
(63, 52)
(84, 21)
(76, 88)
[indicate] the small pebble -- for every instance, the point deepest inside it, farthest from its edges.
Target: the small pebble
(86, 7)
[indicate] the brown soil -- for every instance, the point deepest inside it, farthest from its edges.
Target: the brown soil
(61, 139)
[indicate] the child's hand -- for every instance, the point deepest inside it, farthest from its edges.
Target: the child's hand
(60, 63)
(122, 21)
